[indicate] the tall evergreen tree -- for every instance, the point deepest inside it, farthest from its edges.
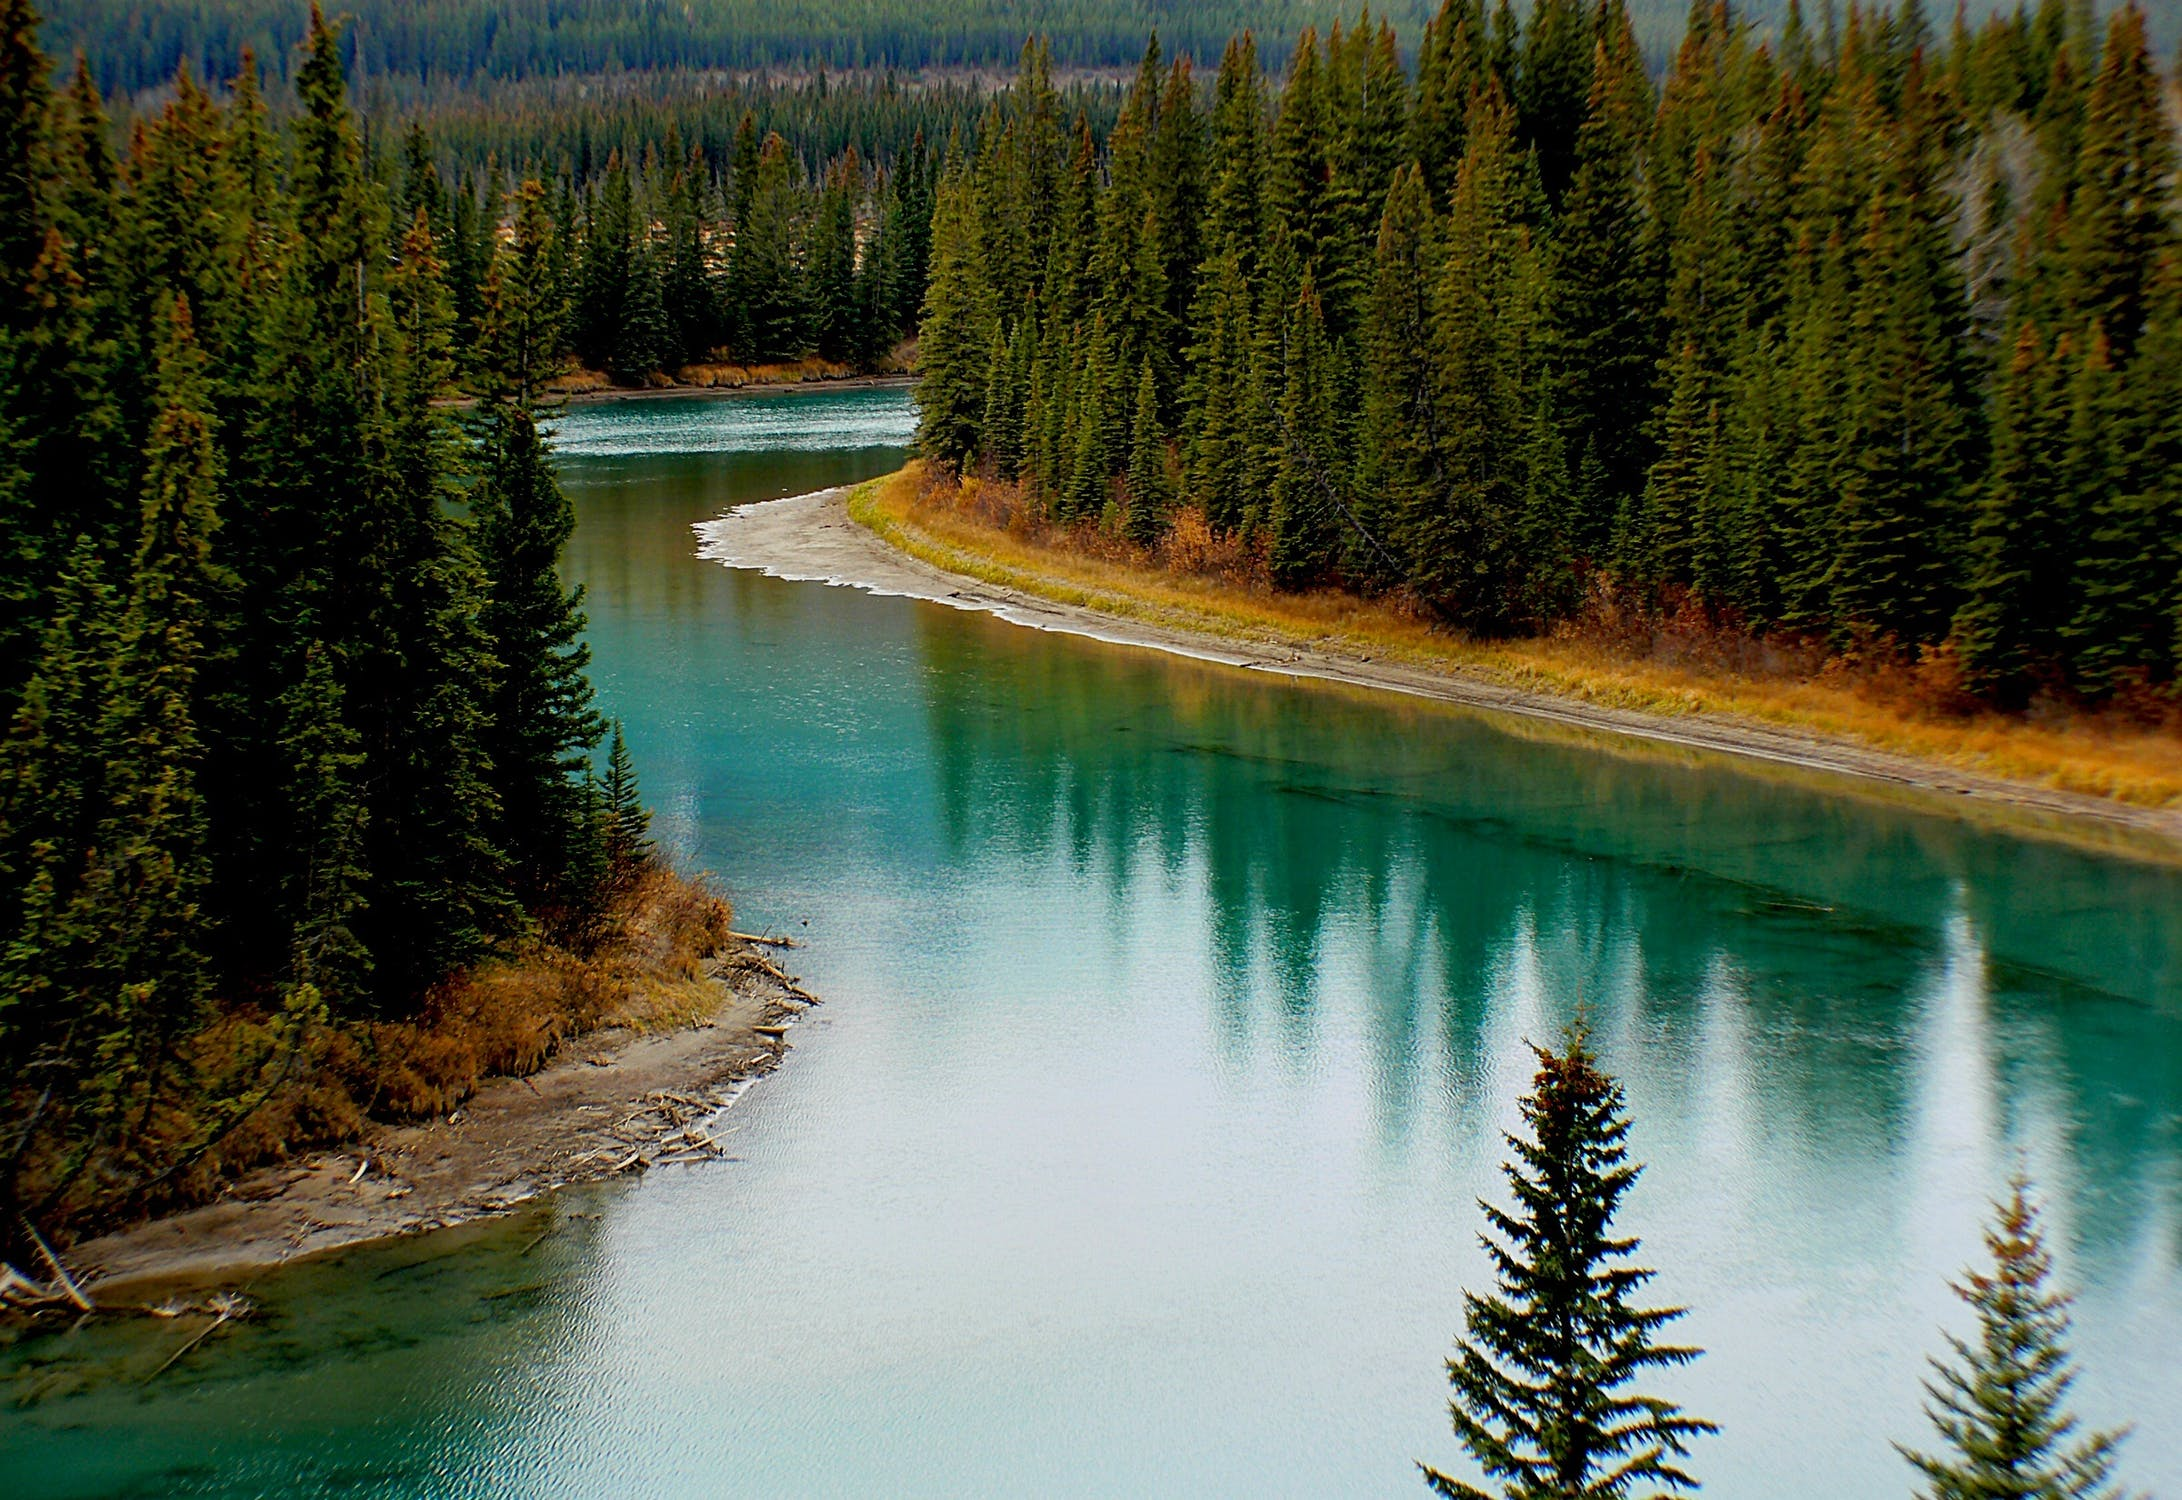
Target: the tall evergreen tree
(1150, 495)
(1309, 485)
(958, 331)
(1604, 290)
(1544, 1400)
(1999, 1406)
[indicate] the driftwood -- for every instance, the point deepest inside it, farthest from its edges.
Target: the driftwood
(60, 1272)
(224, 1307)
(786, 979)
(770, 942)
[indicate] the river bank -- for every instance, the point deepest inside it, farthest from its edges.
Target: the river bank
(875, 537)
(642, 1089)
(587, 386)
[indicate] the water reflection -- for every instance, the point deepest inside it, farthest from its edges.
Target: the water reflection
(1842, 1025)
(1173, 1017)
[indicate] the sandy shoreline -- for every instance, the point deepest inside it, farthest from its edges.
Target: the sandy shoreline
(613, 1101)
(812, 538)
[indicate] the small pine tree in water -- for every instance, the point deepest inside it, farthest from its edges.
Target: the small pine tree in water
(1998, 1406)
(1542, 1396)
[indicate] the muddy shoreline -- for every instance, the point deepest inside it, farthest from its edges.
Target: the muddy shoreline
(611, 1102)
(813, 538)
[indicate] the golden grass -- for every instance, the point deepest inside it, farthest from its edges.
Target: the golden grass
(505, 1017)
(985, 531)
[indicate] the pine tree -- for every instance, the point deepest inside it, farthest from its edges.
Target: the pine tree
(1400, 466)
(1999, 1405)
(627, 825)
(1604, 291)
(1150, 495)
(2119, 220)
(764, 281)
(958, 331)
(2019, 550)
(1461, 537)
(542, 722)
(1543, 1400)
(1309, 486)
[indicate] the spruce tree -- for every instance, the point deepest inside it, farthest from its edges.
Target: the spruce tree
(1309, 485)
(1544, 1398)
(765, 284)
(1461, 536)
(1604, 291)
(1400, 464)
(1150, 497)
(627, 825)
(1559, 43)
(957, 332)
(1999, 1405)
(541, 716)
(687, 296)
(832, 272)
(1912, 419)
(1218, 436)
(2120, 219)
(2019, 554)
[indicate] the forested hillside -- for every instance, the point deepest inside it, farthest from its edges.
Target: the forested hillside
(421, 45)
(139, 43)
(1871, 336)
(288, 737)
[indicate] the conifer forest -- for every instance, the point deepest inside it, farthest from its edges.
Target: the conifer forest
(1340, 392)
(1872, 332)
(296, 716)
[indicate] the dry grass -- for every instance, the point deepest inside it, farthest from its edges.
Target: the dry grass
(322, 1083)
(1683, 665)
(506, 1017)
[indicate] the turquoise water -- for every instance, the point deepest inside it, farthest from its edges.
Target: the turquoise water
(1173, 1014)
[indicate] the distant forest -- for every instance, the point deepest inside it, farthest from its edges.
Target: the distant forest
(418, 46)
(1872, 336)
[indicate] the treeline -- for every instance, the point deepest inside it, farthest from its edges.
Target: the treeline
(1871, 335)
(575, 125)
(676, 256)
(140, 44)
(286, 735)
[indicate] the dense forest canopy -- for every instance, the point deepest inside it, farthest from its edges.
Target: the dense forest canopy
(294, 722)
(422, 44)
(1873, 336)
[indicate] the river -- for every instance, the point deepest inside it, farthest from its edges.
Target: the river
(1173, 1014)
